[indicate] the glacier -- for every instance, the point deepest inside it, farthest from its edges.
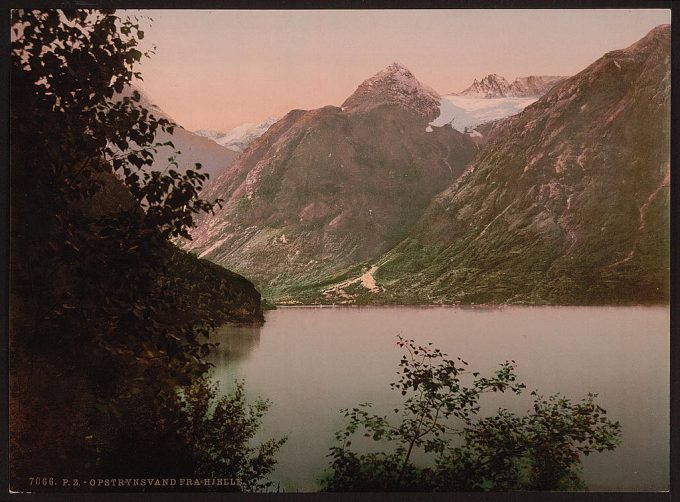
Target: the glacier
(240, 137)
(466, 112)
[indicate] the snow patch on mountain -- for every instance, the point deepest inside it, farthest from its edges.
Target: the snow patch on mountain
(209, 133)
(466, 112)
(240, 137)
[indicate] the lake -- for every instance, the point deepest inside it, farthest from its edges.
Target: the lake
(311, 362)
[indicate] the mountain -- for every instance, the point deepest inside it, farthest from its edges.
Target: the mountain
(491, 86)
(323, 192)
(209, 133)
(395, 85)
(495, 86)
(488, 100)
(213, 157)
(533, 85)
(567, 203)
(240, 137)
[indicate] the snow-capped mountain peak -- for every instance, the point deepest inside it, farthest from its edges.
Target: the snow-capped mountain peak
(491, 86)
(496, 86)
(240, 137)
(395, 69)
(394, 85)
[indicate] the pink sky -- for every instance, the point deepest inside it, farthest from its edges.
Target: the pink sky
(218, 69)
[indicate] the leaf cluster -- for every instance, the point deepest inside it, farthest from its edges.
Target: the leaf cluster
(220, 434)
(440, 419)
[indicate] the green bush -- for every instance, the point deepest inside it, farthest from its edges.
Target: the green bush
(439, 417)
(219, 433)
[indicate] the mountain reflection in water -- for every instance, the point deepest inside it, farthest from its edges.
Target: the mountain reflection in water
(234, 343)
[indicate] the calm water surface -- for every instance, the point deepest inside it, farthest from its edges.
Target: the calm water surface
(311, 362)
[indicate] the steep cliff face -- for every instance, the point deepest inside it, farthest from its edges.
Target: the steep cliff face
(322, 192)
(568, 202)
(212, 290)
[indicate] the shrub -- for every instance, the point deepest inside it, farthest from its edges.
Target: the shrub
(220, 431)
(440, 418)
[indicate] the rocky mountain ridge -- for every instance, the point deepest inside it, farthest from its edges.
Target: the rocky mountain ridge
(394, 85)
(496, 86)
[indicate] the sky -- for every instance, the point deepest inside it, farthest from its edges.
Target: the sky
(218, 69)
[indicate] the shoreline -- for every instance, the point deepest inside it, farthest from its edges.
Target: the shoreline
(466, 306)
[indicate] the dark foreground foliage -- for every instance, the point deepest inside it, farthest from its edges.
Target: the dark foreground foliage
(108, 318)
(224, 429)
(460, 450)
